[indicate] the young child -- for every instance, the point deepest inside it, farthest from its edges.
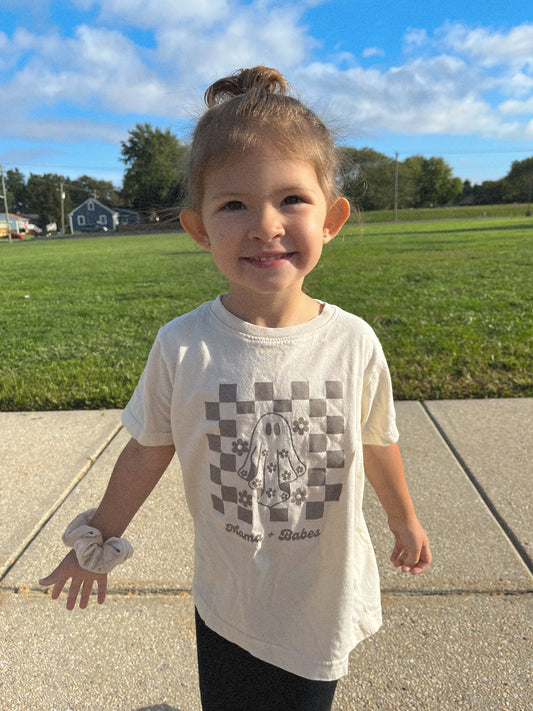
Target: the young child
(276, 404)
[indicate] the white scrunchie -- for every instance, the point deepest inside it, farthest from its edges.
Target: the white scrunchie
(92, 551)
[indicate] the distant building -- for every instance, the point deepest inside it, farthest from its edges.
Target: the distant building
(127, 217)
(95, 216)
(17, 224)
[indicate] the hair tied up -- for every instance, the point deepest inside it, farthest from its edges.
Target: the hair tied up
(261, 79)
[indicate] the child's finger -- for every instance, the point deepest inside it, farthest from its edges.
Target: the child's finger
(85, 593)
(416, 561)
(396, 554)
(58, 588)
(73, 593)
(424, 561)
(409, 567)
(102, 589)
(46, 582)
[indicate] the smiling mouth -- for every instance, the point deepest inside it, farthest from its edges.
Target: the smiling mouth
(272, 258)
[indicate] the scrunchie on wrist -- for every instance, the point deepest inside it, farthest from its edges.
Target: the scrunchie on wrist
(92, 551)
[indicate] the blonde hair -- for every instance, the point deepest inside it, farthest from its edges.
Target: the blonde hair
(249, 110)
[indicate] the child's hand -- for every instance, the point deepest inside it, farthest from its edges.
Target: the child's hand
(411, 552)
(81, 579)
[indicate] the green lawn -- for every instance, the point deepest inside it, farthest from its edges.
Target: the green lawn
(454, 212)
(451, 303)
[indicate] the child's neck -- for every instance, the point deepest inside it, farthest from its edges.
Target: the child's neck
(271, 312)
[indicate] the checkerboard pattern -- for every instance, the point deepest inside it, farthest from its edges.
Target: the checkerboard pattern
(316, 424)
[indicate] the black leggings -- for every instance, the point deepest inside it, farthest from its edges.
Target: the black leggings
(231, 679)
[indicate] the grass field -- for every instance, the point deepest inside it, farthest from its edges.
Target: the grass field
(455, 212)
(451, 303)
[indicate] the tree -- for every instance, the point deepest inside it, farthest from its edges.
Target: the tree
(16, 191)
(409, 180)
(433, 181)
(367, 178)
(154, 177)
(518, 183)
(85, 187)
(43, 197)
(468, 191)
(490, 192)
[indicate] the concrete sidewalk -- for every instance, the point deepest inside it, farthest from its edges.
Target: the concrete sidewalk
(457, 637)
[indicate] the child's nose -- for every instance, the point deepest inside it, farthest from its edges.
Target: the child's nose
(267, 225)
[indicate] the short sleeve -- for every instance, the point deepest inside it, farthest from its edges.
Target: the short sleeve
(147, 416)
(378, 417)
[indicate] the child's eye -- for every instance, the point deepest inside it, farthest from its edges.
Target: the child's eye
(292, 200)
(233, 205)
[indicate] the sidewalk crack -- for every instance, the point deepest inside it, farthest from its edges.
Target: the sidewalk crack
(19, 552)
(517, 544)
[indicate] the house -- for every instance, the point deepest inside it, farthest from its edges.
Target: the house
(95, 216)
(17, 224)
(127, 217)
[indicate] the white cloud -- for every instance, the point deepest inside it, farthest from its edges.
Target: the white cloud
(109, 66)
(373, 52)
(421, 97)
(96, 66)
(513, 48)
(196, 41)
(461, 82)
(154, 13)
(415, 38)
(513, 107)
(252, 34)
(458, 81)
(63, 131)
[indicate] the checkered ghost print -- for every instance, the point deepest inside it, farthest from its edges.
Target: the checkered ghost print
(274, 453)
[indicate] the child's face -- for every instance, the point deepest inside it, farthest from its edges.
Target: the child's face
(265, 220)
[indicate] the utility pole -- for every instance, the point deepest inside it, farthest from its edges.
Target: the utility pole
(4, 191)
(396, 187)
(62, 196)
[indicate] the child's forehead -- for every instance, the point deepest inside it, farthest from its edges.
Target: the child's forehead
(260, 169)
(257, 159)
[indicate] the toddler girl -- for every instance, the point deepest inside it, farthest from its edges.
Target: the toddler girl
(276, 404)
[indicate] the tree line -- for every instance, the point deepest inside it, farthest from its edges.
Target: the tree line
(154, 182)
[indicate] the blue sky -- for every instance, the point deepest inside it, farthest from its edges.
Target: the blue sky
(452, 79)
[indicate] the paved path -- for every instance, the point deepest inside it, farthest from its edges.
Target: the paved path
(457, 637)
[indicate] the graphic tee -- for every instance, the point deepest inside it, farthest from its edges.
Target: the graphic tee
(268, 426)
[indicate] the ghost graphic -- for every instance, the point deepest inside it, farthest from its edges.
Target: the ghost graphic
(272, 463)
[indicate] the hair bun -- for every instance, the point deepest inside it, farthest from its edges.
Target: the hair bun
(243, 81)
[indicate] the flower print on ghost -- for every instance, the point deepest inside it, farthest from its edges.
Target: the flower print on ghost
(272, 460)
(288, 453)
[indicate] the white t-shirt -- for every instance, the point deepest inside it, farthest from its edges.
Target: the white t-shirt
(268, 425)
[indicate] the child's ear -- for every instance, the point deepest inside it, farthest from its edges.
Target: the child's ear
(337, 214)
(193, 224)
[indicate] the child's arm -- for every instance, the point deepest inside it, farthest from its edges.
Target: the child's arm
(384, 469)
(137, 471)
